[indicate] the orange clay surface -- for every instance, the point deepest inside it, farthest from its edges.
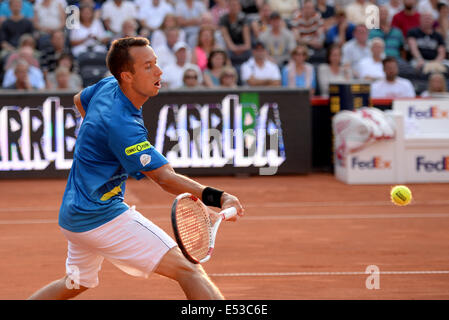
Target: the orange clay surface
(303, 237)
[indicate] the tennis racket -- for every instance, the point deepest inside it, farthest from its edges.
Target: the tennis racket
(195, 227)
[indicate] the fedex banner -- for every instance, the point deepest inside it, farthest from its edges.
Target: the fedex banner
(200, 132)
(423, 117)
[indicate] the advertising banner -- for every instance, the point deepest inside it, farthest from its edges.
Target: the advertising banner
(200, 132)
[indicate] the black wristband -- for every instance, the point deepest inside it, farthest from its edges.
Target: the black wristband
(212, 197)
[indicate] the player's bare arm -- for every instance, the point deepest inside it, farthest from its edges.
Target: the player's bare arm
(175, 183)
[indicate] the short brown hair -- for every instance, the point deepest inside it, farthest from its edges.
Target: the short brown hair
(118, 59)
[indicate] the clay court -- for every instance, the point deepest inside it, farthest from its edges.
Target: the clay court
(303, 237)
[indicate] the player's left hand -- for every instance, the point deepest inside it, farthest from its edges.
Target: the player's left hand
(228, 201)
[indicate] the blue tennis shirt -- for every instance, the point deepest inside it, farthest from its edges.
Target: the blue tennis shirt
(112, 144)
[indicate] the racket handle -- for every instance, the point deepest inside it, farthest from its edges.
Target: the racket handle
(228, 213)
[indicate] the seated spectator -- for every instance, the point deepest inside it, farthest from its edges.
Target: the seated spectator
(298, 73)
(26, 51)
(90, 36)
(392, 86)
(228, 77)
(205, 45)
(259, 70)
(50, 54)
(341, 32)
(208, 22)
(219, 9)
(308, 26)
(287, 8)
(65, 61)
(327, 12)
(426, 46)
(14, 27)
(49, 16)
(189, 13)
(278, 40)
(63, 81)
(158, 37)
(442, 24)
(333, 70)
(260, 23)
(151, 15)
(5, 10)
(406, 19)
(236, 33)
(190, 79)
(393, 6)
(428, 6)
(356, 11)
(216, 62)
(173, 73)
(357, 48)
(115, 12)
(392, 36)
(371, 68)
(165, 52)
(23, 76)
(129, 29)
(437, 85)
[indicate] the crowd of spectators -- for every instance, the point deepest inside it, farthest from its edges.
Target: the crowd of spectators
(400, 46)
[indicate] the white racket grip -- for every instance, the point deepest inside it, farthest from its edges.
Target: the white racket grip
(228, 213)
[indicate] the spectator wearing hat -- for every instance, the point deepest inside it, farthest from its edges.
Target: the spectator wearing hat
(258, 70)
(173, 73)
(392, 86)
(165, 48)
(278, 40)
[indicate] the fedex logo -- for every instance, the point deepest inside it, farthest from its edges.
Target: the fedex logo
(431, 113)
(430, 166)
(374, 163)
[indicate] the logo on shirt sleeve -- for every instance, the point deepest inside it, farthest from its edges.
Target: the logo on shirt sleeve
(137, 148)
(145, 159)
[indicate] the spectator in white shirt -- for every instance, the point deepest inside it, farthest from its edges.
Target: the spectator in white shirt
(90, 36)
(371, 68)
(357, 48)
(165, 51)
(258, 70)
(173, 74)
(115, 12)
(392, 86)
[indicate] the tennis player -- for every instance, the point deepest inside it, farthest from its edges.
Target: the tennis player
(113, 144)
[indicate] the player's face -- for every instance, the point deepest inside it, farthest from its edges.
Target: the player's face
(147, 74)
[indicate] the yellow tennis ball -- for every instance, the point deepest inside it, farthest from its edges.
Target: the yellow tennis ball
(401, 195)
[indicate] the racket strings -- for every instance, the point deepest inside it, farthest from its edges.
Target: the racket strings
(194, 228)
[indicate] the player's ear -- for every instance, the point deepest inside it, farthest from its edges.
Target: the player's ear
(126, 76)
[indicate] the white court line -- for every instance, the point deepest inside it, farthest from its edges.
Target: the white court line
(276, 218)
(259, 205)
(289, 274)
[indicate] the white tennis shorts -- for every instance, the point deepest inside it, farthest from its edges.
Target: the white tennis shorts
(130, 241)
